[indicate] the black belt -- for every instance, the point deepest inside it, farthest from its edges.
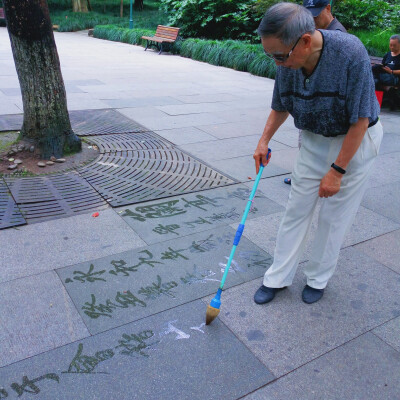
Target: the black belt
(373, 123)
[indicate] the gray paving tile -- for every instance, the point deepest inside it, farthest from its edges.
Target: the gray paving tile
(84, 82)
(125, 287)
(207, 98)
(228, 148)
(178, 216)
(288, 333)
(47, 245)
(384, 200)
(186, 135)
(364, 368)
(390, 333)
(171, 122)
(385, 170)
(234, 129)
(243, 168)
(390, 143)
(141, 102)
(285, 158)
(287, 135)
(367, 225)
(168, 356)
(36, 315)
(384, 249)
(184, 109)
(11, 91)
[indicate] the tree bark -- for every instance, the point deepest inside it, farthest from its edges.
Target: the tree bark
(79, 6)
(121, 9)
(46, 119)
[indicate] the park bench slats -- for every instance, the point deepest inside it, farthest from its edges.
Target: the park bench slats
(164, 34)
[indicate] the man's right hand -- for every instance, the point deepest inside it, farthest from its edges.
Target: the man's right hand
(260, 154)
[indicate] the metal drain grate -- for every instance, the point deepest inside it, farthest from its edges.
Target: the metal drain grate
(102, 122)
(134, 176)
(10, 214)
(11, 122)
(54, 196)
(129, 141)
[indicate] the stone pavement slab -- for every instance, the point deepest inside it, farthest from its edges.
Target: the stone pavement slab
(181, 136)
(36, 248)
(141, 102)
(36, 315)
(243, 168)
(384, 200)
(364, 368)
(234, 129)
(390, 333)
(178, 216)
(125, 287)
(168, 356)
(384, 249)
(385, 170)
(287, 333)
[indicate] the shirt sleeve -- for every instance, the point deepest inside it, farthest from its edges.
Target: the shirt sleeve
(360, 94)
(276, 97)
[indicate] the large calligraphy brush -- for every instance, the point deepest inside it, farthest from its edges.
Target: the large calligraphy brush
(215, 304)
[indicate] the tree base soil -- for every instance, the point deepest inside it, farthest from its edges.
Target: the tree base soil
(30, 160)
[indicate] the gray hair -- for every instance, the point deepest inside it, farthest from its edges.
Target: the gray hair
(287, 22)
(395, 37)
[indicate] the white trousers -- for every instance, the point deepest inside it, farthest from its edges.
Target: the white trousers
(336, 213)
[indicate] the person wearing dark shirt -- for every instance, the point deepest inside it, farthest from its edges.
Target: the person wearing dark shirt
(388, 73)
(322, 13)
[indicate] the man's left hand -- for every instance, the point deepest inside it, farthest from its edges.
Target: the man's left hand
(330, 183)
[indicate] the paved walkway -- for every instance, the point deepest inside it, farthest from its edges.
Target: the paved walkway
(114, 306)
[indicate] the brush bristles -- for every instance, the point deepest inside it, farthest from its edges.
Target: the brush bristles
(211, 314)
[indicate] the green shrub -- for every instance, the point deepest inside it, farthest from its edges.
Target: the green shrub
(231, 53)
(376, 41)
(119, 34)
(213, 19)
(367, 14)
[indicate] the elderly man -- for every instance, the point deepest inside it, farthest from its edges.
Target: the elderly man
(388, 73)
(323, 18)
(324, 81)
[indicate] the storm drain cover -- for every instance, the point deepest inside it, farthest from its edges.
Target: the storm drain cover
(129, 177)
(53, 196)
(10, 214)
(102, 122)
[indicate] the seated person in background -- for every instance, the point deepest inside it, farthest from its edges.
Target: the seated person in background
(322, 13)
(388, 73)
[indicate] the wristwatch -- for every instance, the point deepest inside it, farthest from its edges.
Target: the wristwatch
(338, 169)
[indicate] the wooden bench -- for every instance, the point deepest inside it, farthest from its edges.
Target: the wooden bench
(164, 35)
(393, 92)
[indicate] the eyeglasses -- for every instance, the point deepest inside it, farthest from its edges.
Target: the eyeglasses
(282, 57)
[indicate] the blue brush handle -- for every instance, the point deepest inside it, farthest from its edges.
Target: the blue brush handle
(240, 228)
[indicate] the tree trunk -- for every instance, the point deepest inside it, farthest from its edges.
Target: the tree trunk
(138, 5)
(79, 6)
(121, 9)
(89, 5)
(46, 119)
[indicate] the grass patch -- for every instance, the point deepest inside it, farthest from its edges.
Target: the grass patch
(7, 139)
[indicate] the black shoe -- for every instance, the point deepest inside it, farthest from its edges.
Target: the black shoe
(265, 294)
(311, 295)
